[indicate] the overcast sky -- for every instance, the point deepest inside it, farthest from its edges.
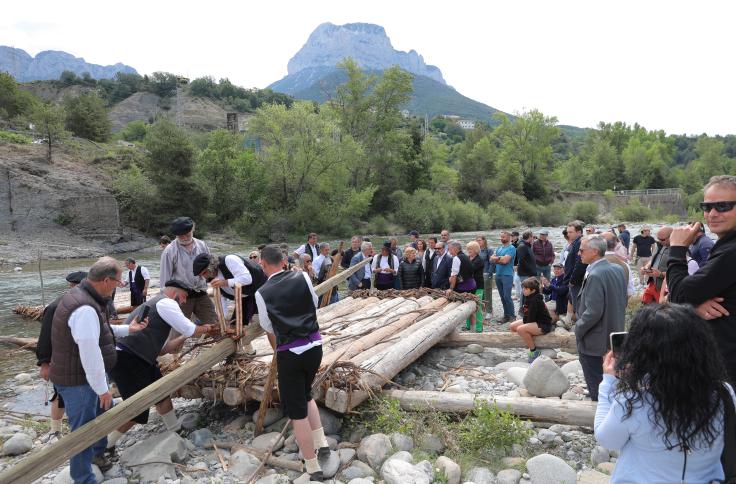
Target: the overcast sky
(664, 64)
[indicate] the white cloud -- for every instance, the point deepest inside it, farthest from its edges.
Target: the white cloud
(666, 65)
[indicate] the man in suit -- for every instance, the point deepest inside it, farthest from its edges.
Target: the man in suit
(441, 267)
(574, 266)
(601, 305)
(428, 261)
(362, 278)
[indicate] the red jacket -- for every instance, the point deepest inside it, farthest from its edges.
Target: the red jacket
(544, 253)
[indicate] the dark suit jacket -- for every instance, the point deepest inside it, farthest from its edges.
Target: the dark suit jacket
(441, 276)
(429, 256)
(602, 307)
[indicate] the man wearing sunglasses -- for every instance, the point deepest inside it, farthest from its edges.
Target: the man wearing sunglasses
(712, 288)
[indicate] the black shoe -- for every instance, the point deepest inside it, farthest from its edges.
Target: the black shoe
(101, 462)
(317, 476)
(323, 454)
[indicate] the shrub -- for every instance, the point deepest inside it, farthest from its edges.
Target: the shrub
(552, 215)
(465, 216)
(523, 209)
(86, 117)
(633, 211)
(16, 138)
(419, 210)
(585, 211)
(491, 431)
(499, 217)
(134, 131)
(378, 225)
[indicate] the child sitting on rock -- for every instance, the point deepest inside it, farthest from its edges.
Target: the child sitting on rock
(537, 319)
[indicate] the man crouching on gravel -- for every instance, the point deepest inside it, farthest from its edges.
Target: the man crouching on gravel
(287, 308)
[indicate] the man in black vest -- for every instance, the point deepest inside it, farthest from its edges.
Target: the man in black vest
(227, 271)
(310, 248)
(84, 349)
(428, 261)
(43, 353)
(136, 366)
(137, 279)
(287, 306)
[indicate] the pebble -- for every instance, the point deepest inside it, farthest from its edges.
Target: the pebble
(508, 476)
(474, 349)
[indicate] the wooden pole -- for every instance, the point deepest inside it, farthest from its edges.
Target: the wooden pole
(219, 310)
(510, 340)
(333, 270)
(569, 412)
(266, 400)
(40, 276)
(238, 310)
(51, 456)
(37, 465)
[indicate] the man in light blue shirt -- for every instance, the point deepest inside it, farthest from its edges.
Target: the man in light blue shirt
(504, 260)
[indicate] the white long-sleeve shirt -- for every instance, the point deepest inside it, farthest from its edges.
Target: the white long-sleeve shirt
(85, 326)
(171, 313)
(381, 262)
(267, 325)
(241, 275)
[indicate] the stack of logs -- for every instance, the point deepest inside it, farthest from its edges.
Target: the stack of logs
(367, 340)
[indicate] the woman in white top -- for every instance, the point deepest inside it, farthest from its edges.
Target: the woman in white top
(662, 399)
(384, 267)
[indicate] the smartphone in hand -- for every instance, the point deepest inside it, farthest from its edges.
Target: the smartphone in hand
(617, 341)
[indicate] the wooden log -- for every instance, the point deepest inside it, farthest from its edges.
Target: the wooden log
(386, 345)
(51, 456)
(510, 340)
(569, 412)
(354, 307)
(22, 343)
(220, 311)
(403, 353)
(333, 270)
(375, 337)
(321, 312)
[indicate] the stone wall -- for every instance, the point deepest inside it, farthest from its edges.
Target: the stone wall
(667, 202)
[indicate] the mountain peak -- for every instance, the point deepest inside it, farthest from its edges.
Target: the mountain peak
(366, 43)
(49, 64)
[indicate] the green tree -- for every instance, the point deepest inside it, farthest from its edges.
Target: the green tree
(86, 117)
(14, 101)
(135, 131)
(48, 120)
(477, 170)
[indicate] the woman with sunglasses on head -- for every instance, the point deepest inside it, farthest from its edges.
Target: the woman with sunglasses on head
(662, 400)
(711, 289)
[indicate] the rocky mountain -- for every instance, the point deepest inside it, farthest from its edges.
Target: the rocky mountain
(313, 74)
(367, 44)
(49, 64)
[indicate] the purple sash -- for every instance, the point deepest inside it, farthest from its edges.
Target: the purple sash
(300, 342)
(466, 286)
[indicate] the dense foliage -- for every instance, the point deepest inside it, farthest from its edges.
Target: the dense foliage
(356, 163)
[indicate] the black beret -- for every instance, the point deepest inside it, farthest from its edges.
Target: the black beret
(181, 225)
(387, 244)
(76, 277)
(177, 284)
(201, 262)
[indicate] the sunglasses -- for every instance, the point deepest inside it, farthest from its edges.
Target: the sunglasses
(253, 257)
(720, 207)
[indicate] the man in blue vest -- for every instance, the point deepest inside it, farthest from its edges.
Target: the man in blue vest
(136, 366)
(287, 308)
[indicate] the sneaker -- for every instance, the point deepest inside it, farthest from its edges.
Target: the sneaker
(101, 462)
(533, 355)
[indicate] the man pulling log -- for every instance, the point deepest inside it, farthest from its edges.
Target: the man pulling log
(136, 366)
(287, 309)
(227, 271)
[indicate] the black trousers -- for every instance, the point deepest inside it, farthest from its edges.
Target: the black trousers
(593, 372)
(295, 376)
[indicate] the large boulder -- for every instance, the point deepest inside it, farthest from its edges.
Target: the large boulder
(402, 442)
(516, 375)
(480, 475)
(161, 451)
(549, 469)
(545, 379)
(242, 464)
(19, 443)
(331, 466)
(331, 423)
(571, 368)
(267, 441)
(397, 471)
(375, 449)
(508, 476)
(450, 469)
(599, 455)
(357, 470)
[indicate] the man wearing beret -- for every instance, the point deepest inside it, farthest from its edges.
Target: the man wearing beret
(177, 261)
(136, 366)
(227, 271)
(43, 352)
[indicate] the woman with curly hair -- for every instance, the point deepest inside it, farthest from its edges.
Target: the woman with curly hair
(661, 402)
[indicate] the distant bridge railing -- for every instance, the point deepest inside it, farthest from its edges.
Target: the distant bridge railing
(651, 191)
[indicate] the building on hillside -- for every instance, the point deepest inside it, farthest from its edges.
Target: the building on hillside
(405, 113)
(451, 117)
(466, 124)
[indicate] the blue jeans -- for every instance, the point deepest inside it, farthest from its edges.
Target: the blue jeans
(82, 405)
(543, 271)
(503, 284)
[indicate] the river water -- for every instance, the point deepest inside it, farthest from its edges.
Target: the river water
(24, 287)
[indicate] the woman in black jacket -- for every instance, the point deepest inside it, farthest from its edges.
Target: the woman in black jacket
(473, 249)
(410, 270)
